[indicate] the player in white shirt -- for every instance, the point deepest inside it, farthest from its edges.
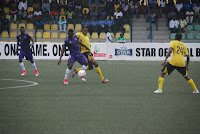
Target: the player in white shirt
(109, 36)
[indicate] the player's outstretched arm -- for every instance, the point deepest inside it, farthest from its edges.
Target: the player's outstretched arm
(16, 51)
(32, 41)
(62, 52)
(167, 56)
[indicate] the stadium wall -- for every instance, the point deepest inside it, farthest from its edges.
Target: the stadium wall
(102, 51)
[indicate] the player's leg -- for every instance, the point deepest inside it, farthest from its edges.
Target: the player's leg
(84, 62)
(167, 69)
(183, 71)
(67, 72)
(34, 66)
(21, 63)
(98, 70)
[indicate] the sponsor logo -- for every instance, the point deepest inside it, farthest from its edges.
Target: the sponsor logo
(96, 52)
(124, 51)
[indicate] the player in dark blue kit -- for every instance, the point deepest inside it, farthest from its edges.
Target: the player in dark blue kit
(72, 42)
(23, 40)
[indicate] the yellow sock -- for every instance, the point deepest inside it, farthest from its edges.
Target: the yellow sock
(98, 70)
(191, 82)
(160, 83)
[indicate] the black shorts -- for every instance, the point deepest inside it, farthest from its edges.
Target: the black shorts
(88, 55)
(168, 69)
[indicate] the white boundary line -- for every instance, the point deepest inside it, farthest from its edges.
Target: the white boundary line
(33, 84)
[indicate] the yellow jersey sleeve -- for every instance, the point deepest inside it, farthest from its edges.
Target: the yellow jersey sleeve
(172, 44)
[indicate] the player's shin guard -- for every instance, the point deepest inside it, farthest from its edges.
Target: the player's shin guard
(34, 65)
(67, 73)
(84, 67)
(98, 70)
(22, 65)
(160, 83)
(191, 82)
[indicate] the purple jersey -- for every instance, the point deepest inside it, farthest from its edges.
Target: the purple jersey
(72, 44)
(24, 41)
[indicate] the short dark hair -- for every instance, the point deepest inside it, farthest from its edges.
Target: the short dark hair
(22, 27)
(178, 36)
(70, 30)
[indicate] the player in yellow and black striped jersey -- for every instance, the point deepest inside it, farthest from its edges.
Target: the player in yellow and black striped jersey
(179, 49)
(87, 52)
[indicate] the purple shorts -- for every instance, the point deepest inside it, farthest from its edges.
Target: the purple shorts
(77, 57)
(28, 55)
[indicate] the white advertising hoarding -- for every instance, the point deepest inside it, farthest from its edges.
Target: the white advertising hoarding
(102, 51)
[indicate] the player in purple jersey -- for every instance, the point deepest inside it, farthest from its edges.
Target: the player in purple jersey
(72, 42)
(23, 40)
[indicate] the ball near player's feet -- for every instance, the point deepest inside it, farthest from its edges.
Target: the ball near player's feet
(81, 73)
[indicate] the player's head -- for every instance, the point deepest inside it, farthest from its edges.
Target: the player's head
(84, 31)
(22, 30)
(178, 36)
(71, 33)
(121, 35)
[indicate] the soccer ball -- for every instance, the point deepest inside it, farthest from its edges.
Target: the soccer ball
(81, 73)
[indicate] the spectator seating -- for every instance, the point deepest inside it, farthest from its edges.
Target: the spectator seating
(54, 35)
(46, 27)
(197, 36)
(6, 10)
(117, 35)
(30, 26)
(94, 35)
(21, 25)
(4, 34)
(13, 34)
(190, 27)
(127, 36)
(46, 35)
(54, 27)
(39, 35)
(70, 26)
(102, 36)
(31, 34)
(78, 27)
(197, 27)
(30, 9)
(62, 36)
(127, 27)
(172, 36)
(190, 36)
(13, 26)
(183, 36)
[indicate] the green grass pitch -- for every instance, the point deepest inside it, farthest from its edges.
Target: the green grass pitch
(125, 105)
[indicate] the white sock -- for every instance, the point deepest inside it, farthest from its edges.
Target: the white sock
(84, 67)
(22, 65)
(67, 73)
(34, 65)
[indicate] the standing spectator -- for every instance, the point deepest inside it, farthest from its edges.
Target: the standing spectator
(30, 17)
(134, 9)
(62, 24)
(187, 5)
(69, 16)
(110, 23)
(173, 25)
(13, 11)
(54, 16)
(121, 39)
(170, 16)
(109, 36)
(189, 16)
(183, 25)
(5, 24)
(40, 24)
(45, 5)
(22, 7)
(154, 18)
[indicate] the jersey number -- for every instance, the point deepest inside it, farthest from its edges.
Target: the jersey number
(179, 50)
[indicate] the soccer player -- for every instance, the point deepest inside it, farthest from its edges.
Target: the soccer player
(179, 49)
(72, 42)
(92, 62)
(23, 40)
